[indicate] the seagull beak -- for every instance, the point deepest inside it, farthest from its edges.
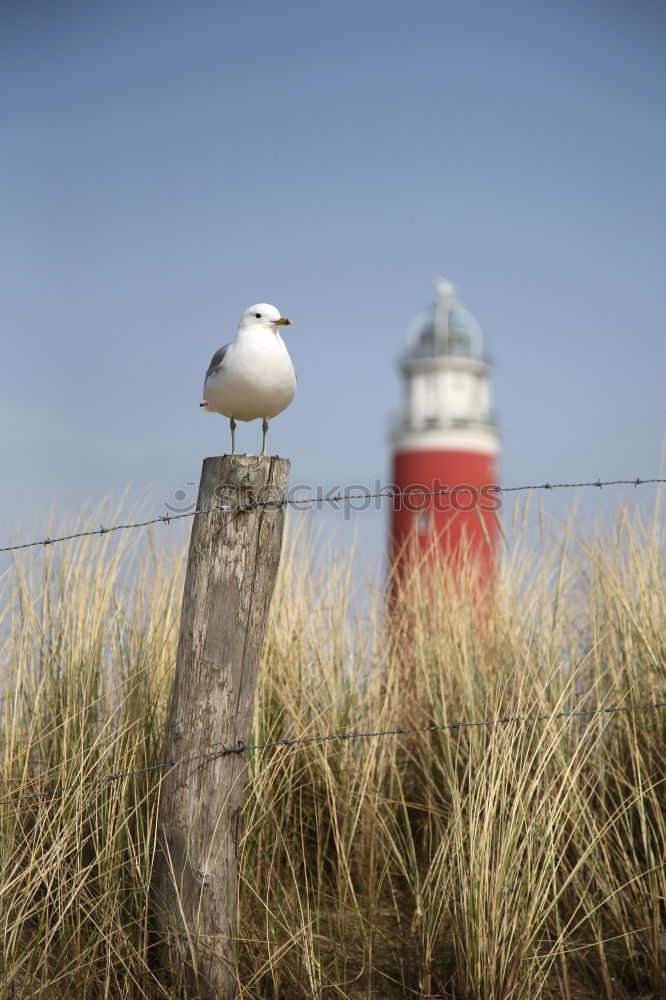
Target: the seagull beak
(282, 321)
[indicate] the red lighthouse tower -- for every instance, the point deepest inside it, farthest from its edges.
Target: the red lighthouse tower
(446, 438)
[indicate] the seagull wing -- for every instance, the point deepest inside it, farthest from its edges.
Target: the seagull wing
(217, 361)
(216, 365)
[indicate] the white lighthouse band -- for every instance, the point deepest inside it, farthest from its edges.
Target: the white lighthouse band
(477, 440)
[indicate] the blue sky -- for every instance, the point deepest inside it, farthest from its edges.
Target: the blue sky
(167, 164)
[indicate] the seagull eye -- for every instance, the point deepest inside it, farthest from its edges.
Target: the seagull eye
(257, 315)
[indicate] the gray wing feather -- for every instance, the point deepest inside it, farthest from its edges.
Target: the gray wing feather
(217, 360)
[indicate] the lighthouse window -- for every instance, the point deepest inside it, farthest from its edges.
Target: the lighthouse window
(430, 409)
(423, 524)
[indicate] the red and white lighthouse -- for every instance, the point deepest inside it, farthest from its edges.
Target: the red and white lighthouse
(446, 438)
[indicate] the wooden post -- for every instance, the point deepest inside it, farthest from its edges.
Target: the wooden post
(231, 570)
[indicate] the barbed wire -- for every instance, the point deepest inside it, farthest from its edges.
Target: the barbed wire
(276, 502)
(241, 747)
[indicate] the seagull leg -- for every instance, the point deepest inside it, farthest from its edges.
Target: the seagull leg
(232, 424)
(264, 428)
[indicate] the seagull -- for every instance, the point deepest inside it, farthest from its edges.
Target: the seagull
(253, 376)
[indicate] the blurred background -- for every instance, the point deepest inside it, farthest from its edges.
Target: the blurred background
(165, 165)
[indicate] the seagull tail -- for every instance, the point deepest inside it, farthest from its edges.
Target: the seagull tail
(205, 406)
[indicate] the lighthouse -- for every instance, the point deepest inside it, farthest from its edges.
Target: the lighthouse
(445, 438)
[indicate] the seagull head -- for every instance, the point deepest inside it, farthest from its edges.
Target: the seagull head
(263, 315)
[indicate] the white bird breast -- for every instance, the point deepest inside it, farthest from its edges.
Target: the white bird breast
(256, 378)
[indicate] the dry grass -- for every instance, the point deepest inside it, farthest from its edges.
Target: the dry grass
(515, 861)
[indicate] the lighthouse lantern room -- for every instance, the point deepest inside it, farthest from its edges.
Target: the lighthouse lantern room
(446, 438)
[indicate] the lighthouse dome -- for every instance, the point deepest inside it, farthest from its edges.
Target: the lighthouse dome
(445, 328)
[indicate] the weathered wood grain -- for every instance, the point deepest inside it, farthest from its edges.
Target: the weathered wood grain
(231, 570)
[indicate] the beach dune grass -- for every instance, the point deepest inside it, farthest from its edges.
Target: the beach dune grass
(515, 860)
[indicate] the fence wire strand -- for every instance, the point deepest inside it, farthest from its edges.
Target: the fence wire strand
(276, 502)
(241, 747)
